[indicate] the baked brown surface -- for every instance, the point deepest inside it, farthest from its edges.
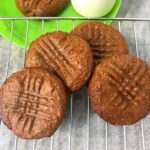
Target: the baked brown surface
(33, 103)
(104, 40)
(67, 55)
(40, 7)
(120, 90)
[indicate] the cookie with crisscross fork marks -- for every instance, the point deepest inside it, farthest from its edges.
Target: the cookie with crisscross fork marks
(120, 90)
(67, 55)
(104, 40)
(33, 103)
(41, 7)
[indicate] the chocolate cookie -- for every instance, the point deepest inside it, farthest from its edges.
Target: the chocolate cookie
(69, 56)
(33, 103)
(104, 40)
(40, 7)
(120, 90)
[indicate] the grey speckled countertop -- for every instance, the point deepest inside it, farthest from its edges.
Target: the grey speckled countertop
(135, 8)
(82, 129)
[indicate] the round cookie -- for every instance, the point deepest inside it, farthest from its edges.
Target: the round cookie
(33, 103)
(104, 40)
(40, 7)
(67, 55)
(119, 90)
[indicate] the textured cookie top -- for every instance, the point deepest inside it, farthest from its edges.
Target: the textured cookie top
(41, 7)
(67, 55)
(33, 103)
(104, 40)
(120, 90)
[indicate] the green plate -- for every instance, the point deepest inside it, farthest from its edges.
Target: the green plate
(8, 9)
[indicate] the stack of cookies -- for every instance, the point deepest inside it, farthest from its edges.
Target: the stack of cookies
(33, 101)
(119, 88)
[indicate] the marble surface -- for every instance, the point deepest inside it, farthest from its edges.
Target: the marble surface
(82, 129)
(135, 8)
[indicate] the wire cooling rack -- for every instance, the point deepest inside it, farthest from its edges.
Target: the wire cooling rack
(82, 129)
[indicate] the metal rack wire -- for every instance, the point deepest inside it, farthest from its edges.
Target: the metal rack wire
(79, 135)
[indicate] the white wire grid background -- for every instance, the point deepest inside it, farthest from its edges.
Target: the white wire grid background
(81, 129)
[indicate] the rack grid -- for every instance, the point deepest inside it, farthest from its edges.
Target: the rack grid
(82, 129)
